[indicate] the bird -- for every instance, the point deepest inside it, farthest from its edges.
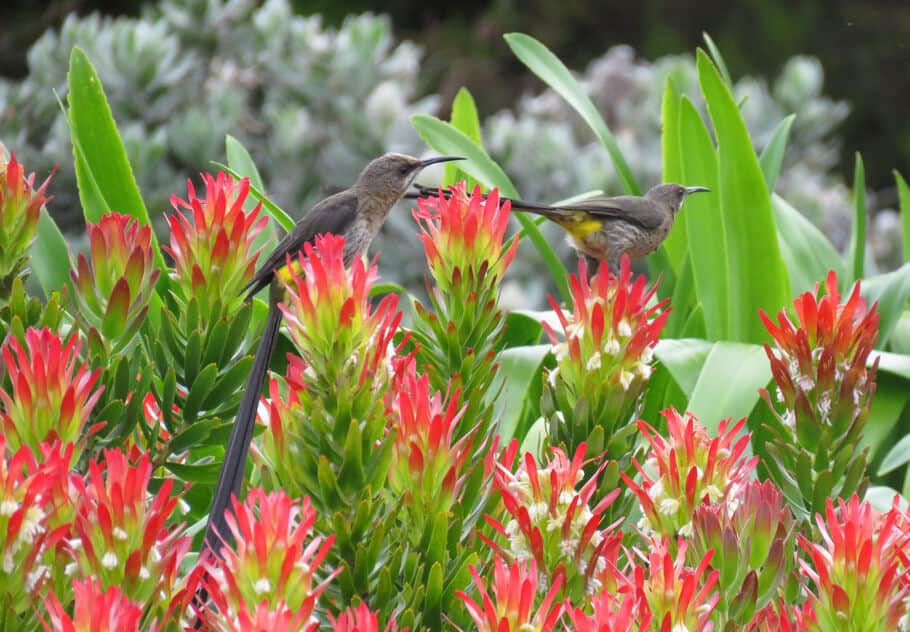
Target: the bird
(606, 228)
(357, 214)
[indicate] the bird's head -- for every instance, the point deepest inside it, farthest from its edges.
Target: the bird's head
(673, 195)
(392, 174)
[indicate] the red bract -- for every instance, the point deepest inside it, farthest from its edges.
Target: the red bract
(361, 619)
(121, 534)
(329, 313)
(823, 396)
(610, 334)
(52, 395)
(511, 606)
(555, 525)
(678, 596)
(625, 612)
(428, 464)
(96, 609)
(272, 573)
(213, 247)
(691, 468)
(20, 208)
(112, 292)
(463, 235)
(24, 527)
(776, 619)
(858, 570)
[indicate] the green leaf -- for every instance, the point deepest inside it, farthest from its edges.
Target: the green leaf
(757, 274)
(102, 164)
(882, 498)
(684, 359)
(903, 196)
(287, 222)
(49, 256)
(891, 290)
(890, 399)
(206, 474)
(193, 436)
(718, 59)
(520, 375)
(553, 72)
(858, 236)
(521, 329)
(705, 222)
(806, 250)
(772, 156)
(445, 139)
(676, 242)
(240, 160)
(728, 383)
(894, 363)
(464, 119)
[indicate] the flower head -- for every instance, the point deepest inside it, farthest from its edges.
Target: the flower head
(463, 235)
(51, 396)
(96, 609)
(121, 534)
(553, 523)
(361, 619)
(510, 608)
(692, 468)
(823, 396)
(858, 569)
(112, 292)
(611, 612)
(273, 569)
(428, 463)
(20, 208)
(213, 247)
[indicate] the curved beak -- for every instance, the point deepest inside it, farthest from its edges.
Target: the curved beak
(433, 161)
(691, 190)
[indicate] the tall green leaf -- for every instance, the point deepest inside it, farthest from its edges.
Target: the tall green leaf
(444, 138)
(808, 253)
(858, 236)
(102, 166)
(718, 59)
(903, 195)
(891, 290)
(464, 119)
(757, 273)
(676, 242)
(772, 156)
(553, 72)
(48, 256)
(703, 216)
(241, 162)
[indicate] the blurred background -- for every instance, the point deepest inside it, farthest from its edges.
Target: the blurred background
(315, 89)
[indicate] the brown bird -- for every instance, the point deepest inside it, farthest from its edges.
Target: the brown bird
(357, 213)
(606, 228)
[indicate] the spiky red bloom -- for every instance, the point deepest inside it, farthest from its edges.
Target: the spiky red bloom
(361, 619)
(554, 524)
(20, 208)
(272, 571)
(778, 618)
(52, 395)
(121, 533)
(610, 334)
(463, 235)
(623, 612)
(676, 594)
(692, 468)
(859, 569)
(329, 313)
(428, 464)
(96, 609)
(112, 292)
(213, 248)
(515, 594)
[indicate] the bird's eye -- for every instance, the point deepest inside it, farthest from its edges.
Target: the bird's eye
(403, 170)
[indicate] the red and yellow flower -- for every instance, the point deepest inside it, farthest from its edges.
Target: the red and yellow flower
(95, 609)
(20, 208)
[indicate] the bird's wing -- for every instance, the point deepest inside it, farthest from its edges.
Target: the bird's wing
(645, 213)
(332, 215)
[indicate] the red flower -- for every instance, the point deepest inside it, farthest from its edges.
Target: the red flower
(463, 235)
(112, 292)
(272, 573)
(555, 525)
(20, 208)
(692, 468)
(52, 395)
(515, 593)
(96, 609)
(213, 252)
(859, 569)
(361, 619)
(623, 612)
(121, 534)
